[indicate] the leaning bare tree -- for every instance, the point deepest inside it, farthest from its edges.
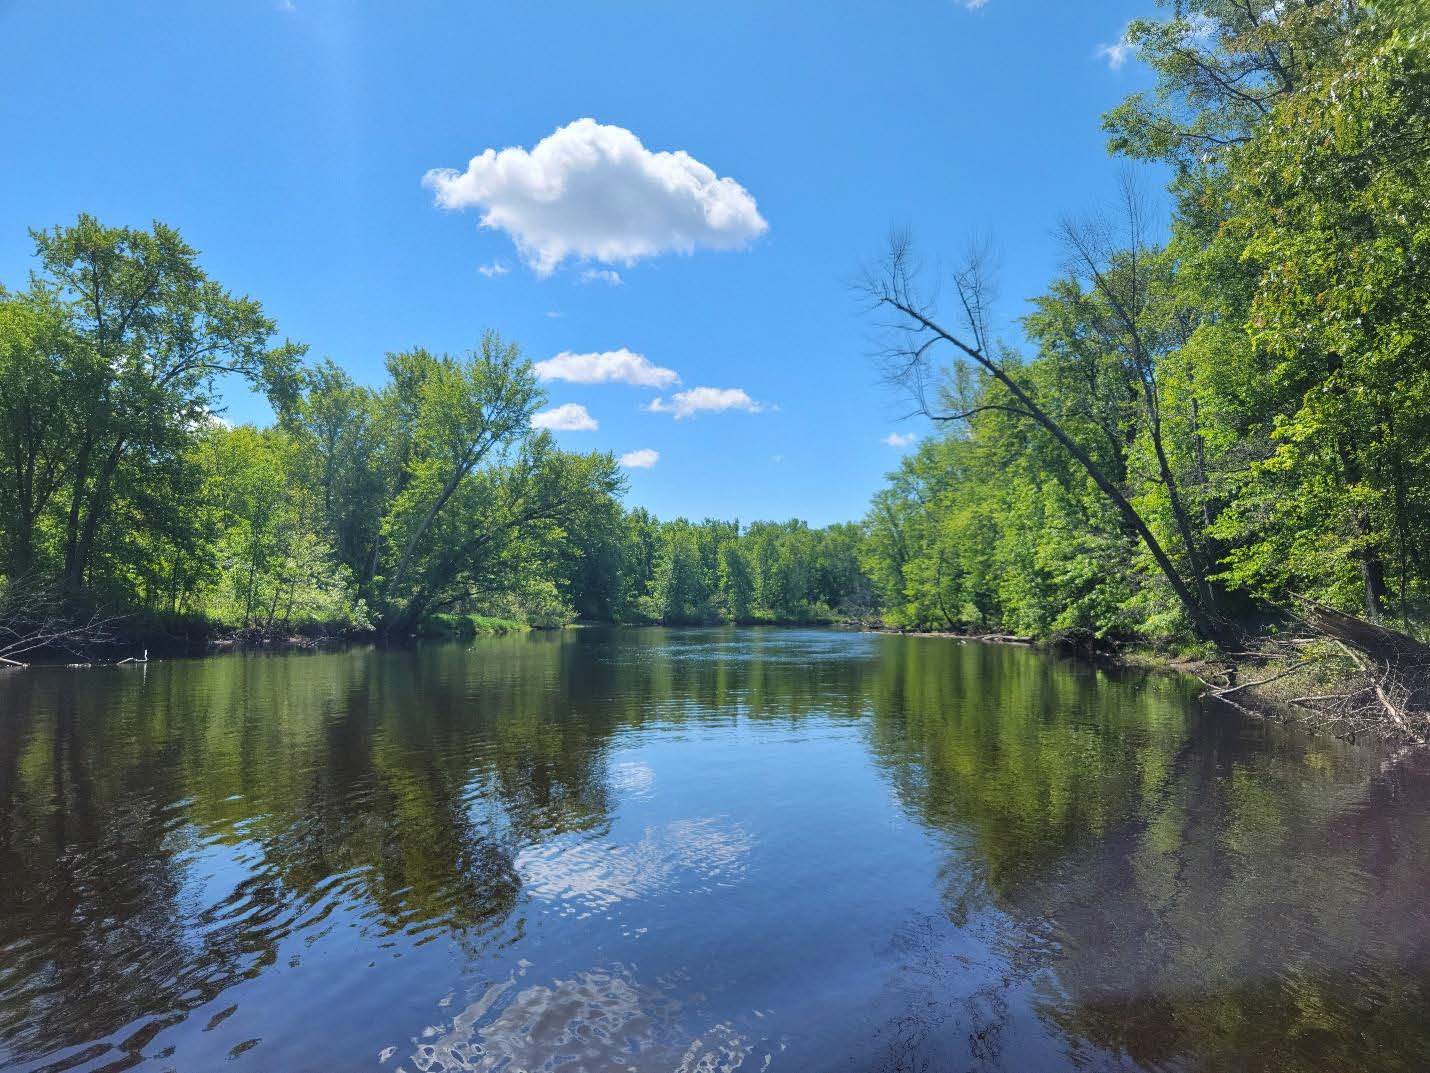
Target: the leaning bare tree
(33, 618)
(917, 330)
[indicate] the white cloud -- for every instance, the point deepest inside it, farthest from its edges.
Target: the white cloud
(608, 367)
(285, 6)
(602, 275)
(705, 400)
(568, 417)
(593, 191)
(553, 315)
(642, 459)
(496, 268)
(1116, 54)
(900, 439)
(973, 5)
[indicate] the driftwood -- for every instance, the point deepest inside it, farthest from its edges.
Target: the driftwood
(21, 635)
(1227, 691)
(1386, 694)
(1380, 643)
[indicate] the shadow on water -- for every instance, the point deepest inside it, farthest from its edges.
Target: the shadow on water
(695, 850)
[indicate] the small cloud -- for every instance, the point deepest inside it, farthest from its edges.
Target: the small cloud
(973, 5)
(568, 417)
(705, 400)
(900, 439)
(553, 315)
(592, 191)
(608, 276)
(496, 268)
(1116, 54)
(609, 367)
(777, 459)
(642, 459)
(285, 6)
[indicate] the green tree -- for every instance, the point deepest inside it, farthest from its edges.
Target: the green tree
(736, 584)
(151, 334)
(38, 425)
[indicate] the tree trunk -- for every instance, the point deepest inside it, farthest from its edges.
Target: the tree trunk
(1179, 513)
(1202, 623)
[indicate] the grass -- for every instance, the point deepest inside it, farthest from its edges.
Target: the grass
(465, 627)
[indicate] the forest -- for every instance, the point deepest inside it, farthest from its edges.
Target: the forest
(1215, 415)
(399, 508)
(1205, 417)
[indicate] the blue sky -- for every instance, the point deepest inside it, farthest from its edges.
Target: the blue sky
(289, 143)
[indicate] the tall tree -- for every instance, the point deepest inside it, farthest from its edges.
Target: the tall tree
(894, 286)
(152, 333)
(39, 381)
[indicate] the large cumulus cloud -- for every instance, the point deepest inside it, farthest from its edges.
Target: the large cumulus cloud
(592, 191)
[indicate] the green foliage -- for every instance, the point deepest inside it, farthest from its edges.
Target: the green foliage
(111, 360)
(1258, 390)
(467, 627)
(769, 572)
(1232, 418)
(425, 504)
(271, 564)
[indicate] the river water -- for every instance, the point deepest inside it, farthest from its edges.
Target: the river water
(703, 851)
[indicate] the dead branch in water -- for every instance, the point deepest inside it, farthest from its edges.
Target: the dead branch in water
(1385, 693)
(1222, 694)
(33, 619)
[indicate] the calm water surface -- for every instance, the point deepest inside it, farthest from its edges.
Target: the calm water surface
(703, 851)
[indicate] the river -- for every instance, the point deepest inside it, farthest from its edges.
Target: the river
(703, 851)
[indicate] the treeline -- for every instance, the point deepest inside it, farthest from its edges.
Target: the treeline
(717, 571)
(1213, 418)
(391, 507)
(1210, 423)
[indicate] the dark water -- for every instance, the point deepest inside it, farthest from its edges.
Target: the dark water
(702, 851)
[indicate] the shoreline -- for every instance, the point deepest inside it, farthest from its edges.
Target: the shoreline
(1288, 683)
(1280, 694)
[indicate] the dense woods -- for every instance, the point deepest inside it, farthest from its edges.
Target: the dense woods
(1210, 423)
(1208, 417)
(384, 507)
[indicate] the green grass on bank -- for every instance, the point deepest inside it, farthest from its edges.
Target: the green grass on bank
(465, 627)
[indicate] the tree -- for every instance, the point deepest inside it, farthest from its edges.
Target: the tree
(893, 286)
(736, 584)
(680, 591)
(1222, 66)
(447, 417)
(150, 333)
(1328, 201)
(274, 566)
(38, 383)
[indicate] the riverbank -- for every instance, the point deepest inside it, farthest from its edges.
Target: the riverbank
(107, 638)
(1369, 683)
(1352, 679)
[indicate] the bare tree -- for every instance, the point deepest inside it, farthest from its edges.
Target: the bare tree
(33, 618)
(916, 331)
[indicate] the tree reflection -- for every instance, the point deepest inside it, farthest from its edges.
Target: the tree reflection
(1167, 889)
(392, 788)
(1185, 890)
